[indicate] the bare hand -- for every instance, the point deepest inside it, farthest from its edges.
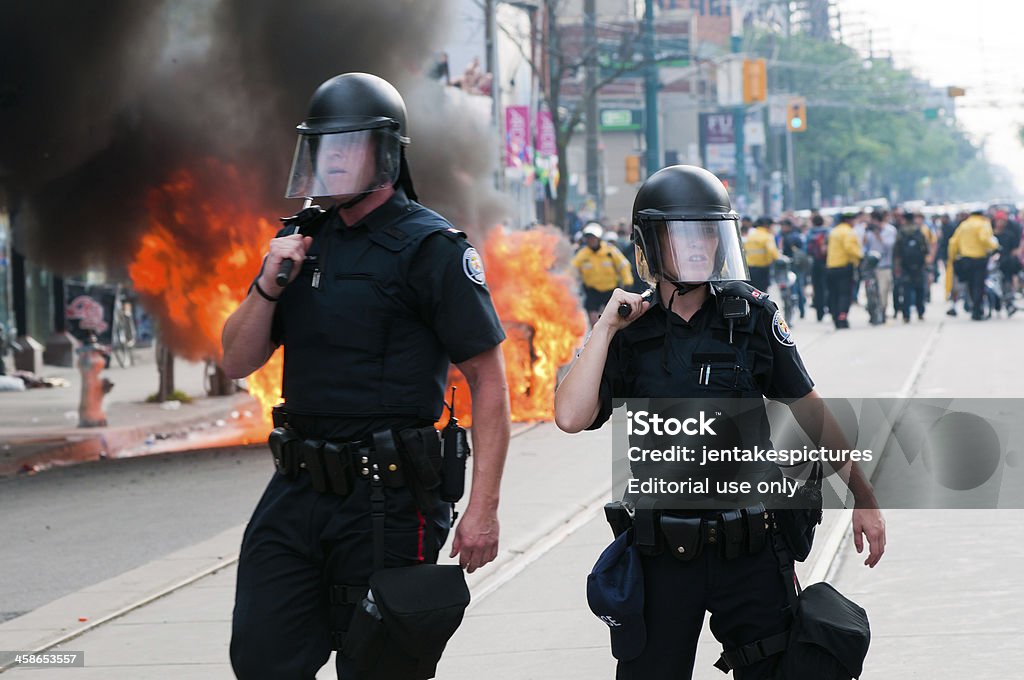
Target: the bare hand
(637, 306)
(476, 539)
(292, 247)
(868, 521)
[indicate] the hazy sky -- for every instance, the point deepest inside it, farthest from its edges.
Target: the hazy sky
(978, 45)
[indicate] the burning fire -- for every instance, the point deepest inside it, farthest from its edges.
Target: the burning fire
(196, 261)
(199, 256)
(541, 315)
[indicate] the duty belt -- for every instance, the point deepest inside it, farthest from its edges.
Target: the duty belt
(743, 531)
(333, 465)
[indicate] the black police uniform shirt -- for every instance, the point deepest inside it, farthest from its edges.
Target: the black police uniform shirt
(661, 355)
(376, 315)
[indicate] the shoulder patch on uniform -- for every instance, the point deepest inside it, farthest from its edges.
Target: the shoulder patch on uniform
(755, 293)
(473, 266)
(780, 329)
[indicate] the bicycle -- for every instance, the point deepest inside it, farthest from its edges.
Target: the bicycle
(123, 332)
(993, 297)
(874, 301)
(786, 280)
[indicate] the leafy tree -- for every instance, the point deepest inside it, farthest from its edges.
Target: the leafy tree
(560, 66)
(868, 133)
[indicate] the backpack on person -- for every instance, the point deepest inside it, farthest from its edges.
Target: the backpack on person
(817, 245)
(912, 251)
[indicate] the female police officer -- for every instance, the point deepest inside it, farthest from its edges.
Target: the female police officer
(691, 342)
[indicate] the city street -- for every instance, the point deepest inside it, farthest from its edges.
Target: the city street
(143, 527)
(229, 227)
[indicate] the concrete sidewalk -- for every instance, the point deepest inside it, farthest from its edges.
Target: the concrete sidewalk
(38, 427)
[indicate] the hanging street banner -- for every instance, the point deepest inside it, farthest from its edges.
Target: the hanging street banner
(517, 136)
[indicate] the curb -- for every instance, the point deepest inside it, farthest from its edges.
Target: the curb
(101, 443)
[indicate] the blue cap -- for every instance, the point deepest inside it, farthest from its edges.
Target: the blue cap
(615, 592)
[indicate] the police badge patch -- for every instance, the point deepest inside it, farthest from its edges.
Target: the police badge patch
(473, 266)
(780, 329)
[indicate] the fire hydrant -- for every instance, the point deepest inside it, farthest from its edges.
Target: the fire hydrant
(92, 359)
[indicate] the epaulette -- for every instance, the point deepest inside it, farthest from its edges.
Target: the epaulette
(399, 235)
(455, 234)
(306, 221)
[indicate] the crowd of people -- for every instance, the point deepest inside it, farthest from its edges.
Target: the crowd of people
(886, 260)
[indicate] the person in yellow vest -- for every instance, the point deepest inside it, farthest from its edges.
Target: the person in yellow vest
(602, 268)
(969, 248)
(761, 252)
(843, 256)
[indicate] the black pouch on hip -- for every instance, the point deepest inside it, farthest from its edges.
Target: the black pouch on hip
(684, 536)
(420, 608)
(282, 442)
(829, 638)
(422, 447)
(797, 525)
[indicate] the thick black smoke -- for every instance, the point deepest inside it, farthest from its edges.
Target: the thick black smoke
(101, 101)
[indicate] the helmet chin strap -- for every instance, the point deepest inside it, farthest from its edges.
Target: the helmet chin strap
(685, 288)
(355, 201)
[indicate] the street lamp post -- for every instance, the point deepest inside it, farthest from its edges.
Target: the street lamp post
(650, 92)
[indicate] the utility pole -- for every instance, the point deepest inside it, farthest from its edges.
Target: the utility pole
(790, 172)
(739, 118)
(489, 35)
(651, 118)
(590, 50)
(491, 62)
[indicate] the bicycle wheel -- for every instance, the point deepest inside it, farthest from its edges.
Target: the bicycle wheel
(788, 305)
(874, 304)
(120, 352)
(119, 341)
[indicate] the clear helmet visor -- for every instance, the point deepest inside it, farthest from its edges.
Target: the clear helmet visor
(345, 163)
(690, 251)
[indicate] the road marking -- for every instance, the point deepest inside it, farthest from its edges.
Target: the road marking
(105, 618)
(910, 384)
(826, 564)
(232, 558)
(541, 547)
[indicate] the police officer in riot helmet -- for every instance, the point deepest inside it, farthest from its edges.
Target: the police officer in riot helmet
(381, 297)
(705, 334)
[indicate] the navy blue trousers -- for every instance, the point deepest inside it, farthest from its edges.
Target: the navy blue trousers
(745, 597)
(299, 543)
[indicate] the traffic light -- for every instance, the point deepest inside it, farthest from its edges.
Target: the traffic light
(633, 169)
(796, 114)
(755, 80)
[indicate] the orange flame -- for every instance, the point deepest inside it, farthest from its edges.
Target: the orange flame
(196, 261)
(542, 318)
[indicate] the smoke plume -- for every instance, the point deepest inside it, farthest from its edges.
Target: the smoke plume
(101, 102)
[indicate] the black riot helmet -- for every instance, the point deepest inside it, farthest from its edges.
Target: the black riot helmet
(685, 229)
(352, 141)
